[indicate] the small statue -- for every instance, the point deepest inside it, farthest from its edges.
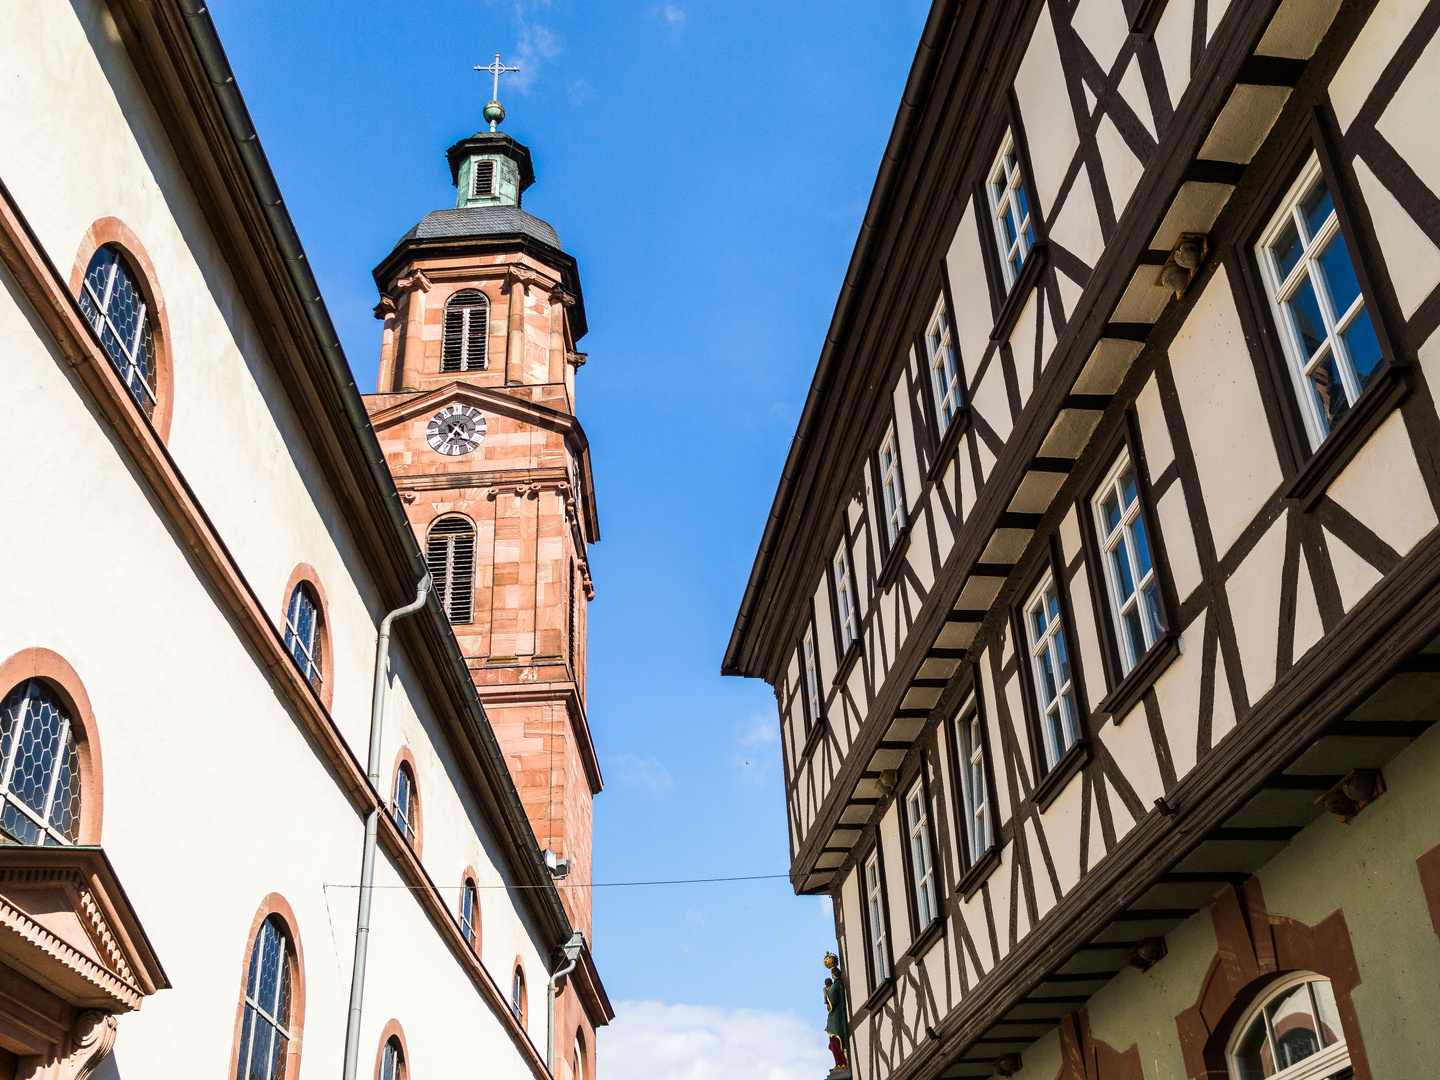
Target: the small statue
(837, 1024)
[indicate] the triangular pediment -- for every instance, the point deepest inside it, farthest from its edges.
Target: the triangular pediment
(486, 399)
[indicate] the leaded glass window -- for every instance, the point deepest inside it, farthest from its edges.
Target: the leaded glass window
(469, 911)
(1129, 568)
(1050, 660)
(517, 994)
(111, 300)
(1010, 210)
(392, 1061)
(467, 326)
(39, 768)
(302, 633)
(404, 808)
(1320, 313)
(265, 1031)
(1293, 1033)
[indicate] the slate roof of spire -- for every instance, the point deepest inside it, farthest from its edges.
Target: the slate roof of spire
(483, 221)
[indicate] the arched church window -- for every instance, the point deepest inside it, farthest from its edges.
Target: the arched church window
(467, 325)
(39, 767)
(470, 912)
(302, 633)
(392, 1060)
(517, 993)
(269, 988)
(450, 555)
(113, 302)
(1292, 1033)
(405, 807)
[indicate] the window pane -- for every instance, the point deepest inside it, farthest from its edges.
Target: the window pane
(1316, 207)
(1287, 249)
(1127, 485)
(1007, 229)
(1124, 584)
(1142, 545)
(1063, 657)
(1294, 1027)
(1339, 274)
(1305, 312)
(1329, 391)
(240, 1065)
(1364, 349)
(1151, 600)
(1329, 1015)
(35, 756)
(1048, 689)
(1134, 631)
(1252, 1056)
(1110, 508)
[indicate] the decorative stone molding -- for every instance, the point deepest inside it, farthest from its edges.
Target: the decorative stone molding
(91, 1040)
(417, 278)
(386, 307)
(523, 275)
(576, 359)
(559, 296)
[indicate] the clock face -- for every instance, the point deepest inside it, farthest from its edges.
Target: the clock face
(456, 430)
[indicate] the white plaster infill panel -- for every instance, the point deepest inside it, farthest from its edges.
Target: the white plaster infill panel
(1101, 25)
(1134, 753)
(1123, 169)
(1224, 414)
(1254, 593)
(1412, 257)
(1177, 693)
(1309, 627)
(1045, 111)
(1353, 575)
(1373, 50)
(1172, 42)
(1416, 142)
(966, 267)
(1383, 488)
(1062, 834)
(1154, 435)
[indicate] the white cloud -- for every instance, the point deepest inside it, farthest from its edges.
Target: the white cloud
(651, 1041)
(674, 16)
(536, 45)
(760, 730)
(647, 773)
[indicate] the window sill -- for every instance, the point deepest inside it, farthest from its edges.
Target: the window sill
(1347, 437)
(894, 559)
(1030, 271)
(959, 424)
(1053, 782)
(969, 884)
(847, 662)
(879, 995)
(814, 739)
(931, 934)
(1118, 703)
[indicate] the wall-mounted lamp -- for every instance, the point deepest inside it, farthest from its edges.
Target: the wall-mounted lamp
(888, 781)
(1146, 953)
(1356, 790)
(1007, 1065)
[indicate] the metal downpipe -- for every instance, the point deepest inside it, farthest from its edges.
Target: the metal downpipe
(372, 829)
(572, 949)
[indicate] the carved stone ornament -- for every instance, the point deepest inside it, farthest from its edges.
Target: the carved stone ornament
(576, 358)
(91, 1040)
(523, 275)
(416, 277)
(560, 296)
(385, 308)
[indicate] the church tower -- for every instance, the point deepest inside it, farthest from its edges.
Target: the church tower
(475, 411)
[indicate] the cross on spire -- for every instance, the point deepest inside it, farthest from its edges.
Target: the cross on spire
(494, 111)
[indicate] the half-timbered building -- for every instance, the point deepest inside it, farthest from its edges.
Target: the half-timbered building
(1101, 591)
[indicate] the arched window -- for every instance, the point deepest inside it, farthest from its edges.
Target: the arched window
(112, 300)
(39, 767)
(405, 807)
(577, 1056)
(392, 1060)
(467, 328)
(302, 633)
(470, 912)
(265, 1032)
(450, 555)
(1291, 1033)
(517, 993)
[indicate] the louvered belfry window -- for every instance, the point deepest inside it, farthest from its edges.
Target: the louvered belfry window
(450, 554)
(484, 183)
(467, 326)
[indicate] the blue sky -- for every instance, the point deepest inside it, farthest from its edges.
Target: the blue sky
(708, 164)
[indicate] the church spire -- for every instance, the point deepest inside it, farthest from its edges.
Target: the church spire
(490, 168)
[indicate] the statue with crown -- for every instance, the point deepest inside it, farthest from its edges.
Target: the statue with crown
(837, 1023)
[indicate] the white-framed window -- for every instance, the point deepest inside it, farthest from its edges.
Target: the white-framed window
(469, 912)
(465, 339)
(974, 787)
(1325, 329)
(450, 556)
(39, 768)
(922, 863)
(1130, 576)
(1050, 661)
(111, 300)
(265, 1029)
(302, 633)
(483, 183)
(403, 808)
(810, 662)
(392, 1062)
(875, 918)
(846, 610)
(944, 372)
(1010, 210)
(892, 488)
(517, 994)
(1292, 1033)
